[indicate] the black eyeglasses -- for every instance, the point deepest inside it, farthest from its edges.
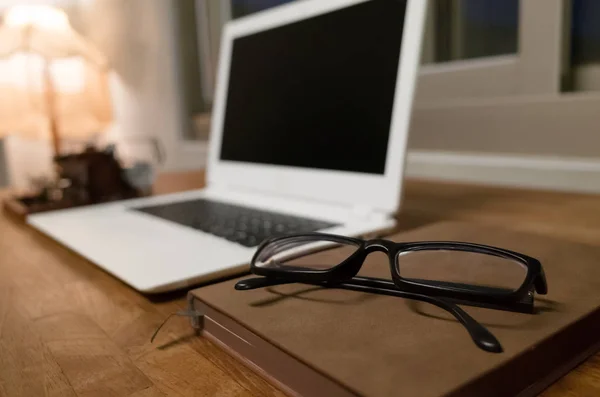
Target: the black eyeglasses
(442, 273)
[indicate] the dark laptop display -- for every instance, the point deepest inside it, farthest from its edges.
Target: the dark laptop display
(317, 93)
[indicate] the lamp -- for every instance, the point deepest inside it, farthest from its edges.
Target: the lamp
(52, 81)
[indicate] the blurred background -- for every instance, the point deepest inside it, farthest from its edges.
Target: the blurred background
(507, 92)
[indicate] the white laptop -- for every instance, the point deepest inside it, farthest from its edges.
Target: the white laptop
(309, 133)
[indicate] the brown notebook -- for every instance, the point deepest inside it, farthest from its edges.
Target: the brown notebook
(328, 342)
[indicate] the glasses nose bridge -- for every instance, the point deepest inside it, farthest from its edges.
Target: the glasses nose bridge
(377, 246)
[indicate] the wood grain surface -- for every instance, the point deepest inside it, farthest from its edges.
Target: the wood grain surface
(69, 329)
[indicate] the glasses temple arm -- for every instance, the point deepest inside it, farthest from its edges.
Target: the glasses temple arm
(260, 282)
(483, 338)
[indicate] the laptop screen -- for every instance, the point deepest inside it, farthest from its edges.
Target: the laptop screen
(317, 93)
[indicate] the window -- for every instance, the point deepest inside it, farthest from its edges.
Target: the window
(495, 98)
(585, 46)
(467, 29)
(490, 48)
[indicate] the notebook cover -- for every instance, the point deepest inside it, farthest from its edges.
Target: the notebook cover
(314, 341)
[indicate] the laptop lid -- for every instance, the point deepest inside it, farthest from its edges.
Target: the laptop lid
(313, 100)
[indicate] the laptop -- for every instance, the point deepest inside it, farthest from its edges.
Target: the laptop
(308, 133)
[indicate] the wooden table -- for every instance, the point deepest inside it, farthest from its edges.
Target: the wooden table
(69, 329)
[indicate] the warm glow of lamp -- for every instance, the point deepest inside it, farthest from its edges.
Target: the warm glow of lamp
(52, 80)
(41, 16)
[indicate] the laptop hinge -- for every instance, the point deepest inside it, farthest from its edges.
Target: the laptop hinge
(356, 211)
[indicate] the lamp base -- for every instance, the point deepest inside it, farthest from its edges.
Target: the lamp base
(86, 178)
(20, 207)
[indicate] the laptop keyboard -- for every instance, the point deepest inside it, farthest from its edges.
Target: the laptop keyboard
(243, 225)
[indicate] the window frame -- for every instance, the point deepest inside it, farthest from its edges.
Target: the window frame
(504, 75)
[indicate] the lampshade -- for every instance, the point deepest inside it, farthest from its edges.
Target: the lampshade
(34, 40)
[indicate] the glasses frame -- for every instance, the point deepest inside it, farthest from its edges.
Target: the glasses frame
(535, 279)
(442, 294)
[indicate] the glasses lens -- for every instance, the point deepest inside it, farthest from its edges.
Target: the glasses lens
(464, 270)
(304, 252)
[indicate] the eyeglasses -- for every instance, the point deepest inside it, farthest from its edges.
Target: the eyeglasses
(442, 273)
